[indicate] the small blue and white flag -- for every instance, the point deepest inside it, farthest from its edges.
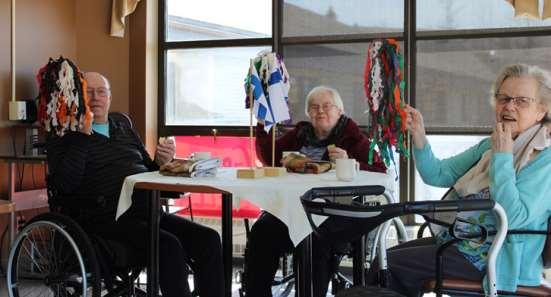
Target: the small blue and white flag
(261, 106)
(278, 90)
(270, 89)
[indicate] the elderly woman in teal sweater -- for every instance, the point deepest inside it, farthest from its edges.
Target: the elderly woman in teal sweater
(512, 167)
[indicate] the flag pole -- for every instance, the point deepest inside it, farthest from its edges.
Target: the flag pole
(250, 98)
(273, 143)
(273, 98)
(252, 171)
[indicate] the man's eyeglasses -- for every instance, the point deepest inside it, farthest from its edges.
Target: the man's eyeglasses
(100, 92)
(318, 108)
(519, 101)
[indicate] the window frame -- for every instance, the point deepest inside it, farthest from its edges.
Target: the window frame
(164, 46)
(409, 36)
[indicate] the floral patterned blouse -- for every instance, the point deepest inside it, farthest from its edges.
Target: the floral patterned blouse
(475, 252)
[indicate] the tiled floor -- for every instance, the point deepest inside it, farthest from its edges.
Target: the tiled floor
(238, 248)
(235, 285)
(235, 290)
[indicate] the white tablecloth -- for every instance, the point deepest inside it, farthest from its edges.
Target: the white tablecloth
(279, 196)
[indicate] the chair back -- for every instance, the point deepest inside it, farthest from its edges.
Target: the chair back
(546, 254)
(121, 118)
(54, 152)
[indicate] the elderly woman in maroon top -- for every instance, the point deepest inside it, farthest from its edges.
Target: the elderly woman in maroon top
(329, 135)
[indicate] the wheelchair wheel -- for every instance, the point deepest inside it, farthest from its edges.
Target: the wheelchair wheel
(53, 256)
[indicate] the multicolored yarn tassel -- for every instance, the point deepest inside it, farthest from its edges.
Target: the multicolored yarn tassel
(384, 89)
(62, 100)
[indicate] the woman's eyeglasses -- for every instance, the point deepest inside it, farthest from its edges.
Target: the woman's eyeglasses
(318, 108)
(519, 101)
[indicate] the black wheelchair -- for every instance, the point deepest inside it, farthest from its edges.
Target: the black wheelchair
(54, 256)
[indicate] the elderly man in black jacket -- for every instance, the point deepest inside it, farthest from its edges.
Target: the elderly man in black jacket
(91, 169)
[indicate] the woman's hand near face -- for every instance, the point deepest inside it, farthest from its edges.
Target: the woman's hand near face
(416, 127)
(336, 153)
(502, 140)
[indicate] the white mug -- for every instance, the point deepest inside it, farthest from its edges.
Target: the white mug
(163, 140)
(200, 155)
(347, 169)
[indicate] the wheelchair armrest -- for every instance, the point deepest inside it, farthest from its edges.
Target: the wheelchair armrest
(345, 191)
(423, 207)
(320, 201)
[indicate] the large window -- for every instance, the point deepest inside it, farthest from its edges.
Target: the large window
(329, 64)
(205, 86)
(205, 50)
(456, 75)
(189, 20)
(452, 49)
(334, 17)
(470, 14)
(460, 46)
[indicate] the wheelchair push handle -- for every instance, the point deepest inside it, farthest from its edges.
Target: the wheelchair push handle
(344, 191)
(316, 201)
(423, 207)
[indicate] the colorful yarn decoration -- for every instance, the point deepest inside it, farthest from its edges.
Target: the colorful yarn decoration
(62, 99)
(384, 89)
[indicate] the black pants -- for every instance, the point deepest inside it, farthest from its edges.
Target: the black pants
(414, 262)
(180, 241)
(269, 239)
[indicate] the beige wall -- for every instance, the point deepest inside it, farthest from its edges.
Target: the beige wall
(76, 29)
(97, 51)
(143, 71)
(43, 29)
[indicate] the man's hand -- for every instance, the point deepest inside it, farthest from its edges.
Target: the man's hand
(502, 140)
(165, 151)
(336, 153)
(82, 125)
(416, 126)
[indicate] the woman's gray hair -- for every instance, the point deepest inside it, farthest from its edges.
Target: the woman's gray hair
(336, 97)
(542, 76)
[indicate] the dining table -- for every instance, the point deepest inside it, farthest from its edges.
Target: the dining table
(278, 195)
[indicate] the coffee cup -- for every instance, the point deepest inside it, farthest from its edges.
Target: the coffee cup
(347, 169)
(200, 155)
(164, 140)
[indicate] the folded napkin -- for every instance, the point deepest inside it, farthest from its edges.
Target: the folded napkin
(190, 167)
(302, 164)
(204, 173)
